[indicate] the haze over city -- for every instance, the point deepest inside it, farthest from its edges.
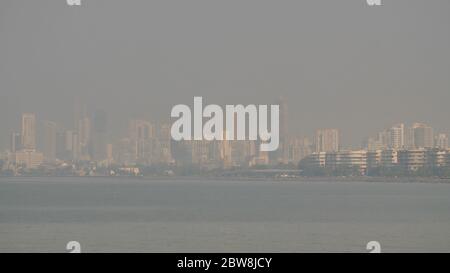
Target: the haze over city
(339, 64)
(256, 127)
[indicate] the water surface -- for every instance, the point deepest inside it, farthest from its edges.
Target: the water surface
(139, 215)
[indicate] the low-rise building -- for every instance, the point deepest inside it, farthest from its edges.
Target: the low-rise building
(351, 159)
(436, 158)
(29, 159)
(412, 160)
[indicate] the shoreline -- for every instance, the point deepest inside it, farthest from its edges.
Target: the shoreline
(356, 179)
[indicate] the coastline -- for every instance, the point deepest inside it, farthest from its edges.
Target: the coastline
(302, 179)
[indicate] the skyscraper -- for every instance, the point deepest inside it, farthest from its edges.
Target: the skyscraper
(49, 141)
(283, 151)
(83, 132)
(284, 130)
(163, 144)
(29, 131)
(422, 136)
(99, 135)
(442, 141)
(84, 138)
(397, 136)
(327, 140)
(16, 142)
(141, 134)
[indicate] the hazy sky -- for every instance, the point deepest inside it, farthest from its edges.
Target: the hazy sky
(340, 64)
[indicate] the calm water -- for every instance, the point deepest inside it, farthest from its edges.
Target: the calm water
(132, 215)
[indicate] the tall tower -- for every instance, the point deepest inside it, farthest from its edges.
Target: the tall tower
(141, 134)
(282, 154)
(16, 142)
(50, 141)
(99, 135)
(397, 136)
(82, 132)
(29, 131)
(84, 138)
(226, 150)
(284, 116)
(327, 140)
(442, 141)
(423, 136)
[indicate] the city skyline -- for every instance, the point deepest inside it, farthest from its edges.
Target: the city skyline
(149, 143)
(373, 74)
(115, 132)
(254, 127)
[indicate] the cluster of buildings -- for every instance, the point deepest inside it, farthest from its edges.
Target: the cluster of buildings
(150, 144)
(23, 145)
(419, 135)
(364, 161)
(41, 143)
(408, 148)
(55, 145)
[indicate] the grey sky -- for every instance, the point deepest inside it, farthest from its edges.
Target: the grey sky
(339, 63)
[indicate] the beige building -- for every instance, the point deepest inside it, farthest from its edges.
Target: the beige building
(442, 141)
(28, 131)
(26, 158)
(397, 136)
(358, 159)
(141, 135)
(327, 140)
(412, 159)
(49, 141)
(422, 136)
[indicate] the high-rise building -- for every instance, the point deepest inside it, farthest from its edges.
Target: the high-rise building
(397, 136)
(200, 152)
(109, 153)
(76, 151)
(262, 158)
(84, 138)
(182, 152)
(61, 151)
(372, 144)
(298, 148)
(15, 142)
(99, 135)
(422, 136)
(283, 150)
(29, 131)
(327, 140)
(384, 139)
(124, 153)
(49, 141)
(141, 135)
(442, 141)
(225, 151)
(242, 152)
(163, 145)
(68, 142)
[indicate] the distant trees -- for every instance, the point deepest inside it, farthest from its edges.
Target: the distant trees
(391, 171)
(330, 171)
(380, 171)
